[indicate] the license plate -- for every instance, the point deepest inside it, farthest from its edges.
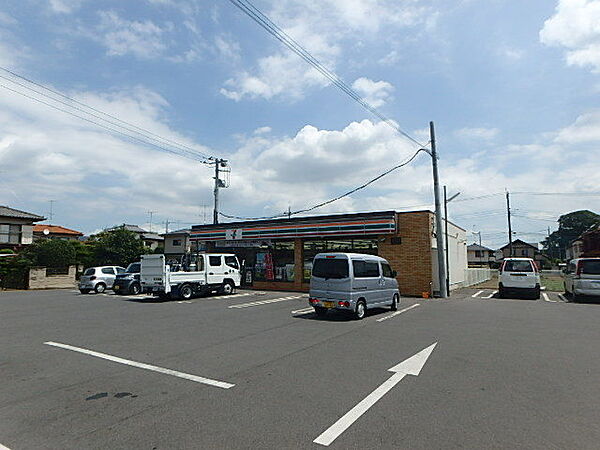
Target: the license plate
(116, 288)
(329, 304)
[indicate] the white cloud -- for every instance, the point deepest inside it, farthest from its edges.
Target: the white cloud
(486, 134)
(65, 6)
(585, 129)
(375, 93)
(320, 27)
(121, 37)
(227, 48)
(262, 130)
(390, 58)
(575, 26)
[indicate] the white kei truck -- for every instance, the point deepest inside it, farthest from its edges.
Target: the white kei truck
(193, 274)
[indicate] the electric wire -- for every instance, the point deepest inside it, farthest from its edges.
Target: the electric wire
(327, 202)
(164, 149)
(265, 22)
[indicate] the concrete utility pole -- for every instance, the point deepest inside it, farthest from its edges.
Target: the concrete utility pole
(510, 246)
(446, 201)
(51, 210)
(216, 192)
(438, 217)
(166, 226)
(151, 213)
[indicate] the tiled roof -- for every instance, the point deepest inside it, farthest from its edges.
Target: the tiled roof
(478, 247)
(18, 214)
(55, 229)
(128, 227)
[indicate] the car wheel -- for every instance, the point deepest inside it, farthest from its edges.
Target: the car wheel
(135, 289)
(320, 311)
(536, 294)
(164, 296)
(361, 310)
(100, 288)
(84, 291)
(394, 306)
(227, 288)
(186, 292)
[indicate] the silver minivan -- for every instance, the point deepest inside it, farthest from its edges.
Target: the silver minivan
(98, 279)
(582, 278)
(352, 282)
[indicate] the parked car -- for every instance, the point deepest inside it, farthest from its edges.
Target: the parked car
(129, 282)
(582, 278)
(98, 279)
(352, 282)
(519, 276)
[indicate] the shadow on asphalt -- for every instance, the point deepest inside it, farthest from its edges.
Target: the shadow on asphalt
(340, 316)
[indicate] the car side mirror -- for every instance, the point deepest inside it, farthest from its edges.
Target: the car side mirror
(394, 274)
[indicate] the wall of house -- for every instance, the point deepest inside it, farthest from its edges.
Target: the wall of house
(457, 257)
(38, 279)
(171, 249)
(25, 235)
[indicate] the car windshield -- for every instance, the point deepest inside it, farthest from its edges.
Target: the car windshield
(591, 266)
(517, 266)
(89, 271)
(330, 268)
(133, 268)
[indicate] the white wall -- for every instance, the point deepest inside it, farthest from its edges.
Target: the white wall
(457, 257)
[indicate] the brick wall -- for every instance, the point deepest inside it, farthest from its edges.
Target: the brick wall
(412, 258)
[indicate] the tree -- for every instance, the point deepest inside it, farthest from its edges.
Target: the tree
(51, 253)
(116, 247)
(570, 227)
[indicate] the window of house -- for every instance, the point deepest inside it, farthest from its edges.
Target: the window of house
(176, 242)
(524, 252)
(10, 234)
(214, 261)
(477, 253)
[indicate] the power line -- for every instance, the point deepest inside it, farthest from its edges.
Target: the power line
(327, 202)
(261, 19)
(113, 130)
(141, 130)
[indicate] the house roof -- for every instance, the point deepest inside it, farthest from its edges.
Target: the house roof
(152, 237)
(478, 247)
(55, 229)
(183, 231)
(125, 226)
(18, 214)
(519, 241)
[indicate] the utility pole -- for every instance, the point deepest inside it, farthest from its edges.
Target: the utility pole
(216, 192)
(166, 226)
(151, 213)
(510, 247)
(446, 201)
(438, 217)
(289, 212)
(51, 209)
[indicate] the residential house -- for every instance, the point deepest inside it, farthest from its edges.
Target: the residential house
(177, 243)
(575, 249)
(522, 249)
(586, 245)
(480, 256)
(16, 227)
(44, 231)
(152, 240)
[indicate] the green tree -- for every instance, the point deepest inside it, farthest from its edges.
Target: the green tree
(570, 227)
(116, 247)
(51, 253)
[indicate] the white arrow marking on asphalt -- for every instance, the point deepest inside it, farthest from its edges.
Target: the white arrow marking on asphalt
(476, 294)
(410, 366)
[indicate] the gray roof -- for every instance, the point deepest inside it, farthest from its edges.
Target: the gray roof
(133, 228)
(478, 247)
(18, 214)
(177, 232)
(152, 237)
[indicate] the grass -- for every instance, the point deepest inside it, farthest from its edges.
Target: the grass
(552, 283)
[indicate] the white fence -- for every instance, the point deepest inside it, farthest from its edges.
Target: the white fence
(476, 276)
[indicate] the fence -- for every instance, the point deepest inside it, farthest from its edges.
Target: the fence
(476, 276)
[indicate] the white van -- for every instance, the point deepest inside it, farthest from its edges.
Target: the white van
(582, 278)
(352, 282)
(519, 275)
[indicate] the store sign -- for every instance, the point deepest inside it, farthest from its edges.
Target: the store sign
(233, 235)
(248, 243)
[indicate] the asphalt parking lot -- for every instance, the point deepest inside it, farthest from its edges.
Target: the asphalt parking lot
(260, 370)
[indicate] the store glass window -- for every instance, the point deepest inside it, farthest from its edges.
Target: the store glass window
(275, 263)
(312, 247)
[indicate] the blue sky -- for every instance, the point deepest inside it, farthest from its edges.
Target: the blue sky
(512, 86)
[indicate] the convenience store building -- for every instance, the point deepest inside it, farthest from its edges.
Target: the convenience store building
(277, 254)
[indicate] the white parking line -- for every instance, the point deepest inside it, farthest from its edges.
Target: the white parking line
(265, 302)
(398, 312)
(304, 311)
(491, 295)
(477, 293)
(2, 447)
(128, 362)
(562, 297)
(548, 298)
